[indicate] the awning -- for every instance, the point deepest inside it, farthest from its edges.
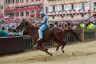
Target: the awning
(23, 9)
(31, 15)
(9, 10)
(27, 8)
(34, 14)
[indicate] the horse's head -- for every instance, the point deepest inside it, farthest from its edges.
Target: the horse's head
(20, 26)
(23, 25)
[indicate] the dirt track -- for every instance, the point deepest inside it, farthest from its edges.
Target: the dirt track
(82, 53)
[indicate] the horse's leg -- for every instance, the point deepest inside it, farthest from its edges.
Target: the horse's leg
(58, 44)
(48, 52)
(57, 48)
(41, 47)
(63, 44)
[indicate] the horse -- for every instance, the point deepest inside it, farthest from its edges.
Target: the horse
(55, 33)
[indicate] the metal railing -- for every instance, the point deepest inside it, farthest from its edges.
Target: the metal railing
(26, 43)
(85, 35)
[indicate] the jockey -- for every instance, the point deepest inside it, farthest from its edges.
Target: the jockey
(44, 25)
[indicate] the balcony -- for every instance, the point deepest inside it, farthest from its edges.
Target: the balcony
(33, 3)
(64, 2)
(24, 3)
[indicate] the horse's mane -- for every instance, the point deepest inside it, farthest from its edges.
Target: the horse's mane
(35, 27)
(27, 26)
(32, 27)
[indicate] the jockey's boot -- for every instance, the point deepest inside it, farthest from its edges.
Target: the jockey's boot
(38, 41)
(36, 45)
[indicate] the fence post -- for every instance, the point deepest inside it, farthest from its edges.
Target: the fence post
(95, 33)
(82, 35)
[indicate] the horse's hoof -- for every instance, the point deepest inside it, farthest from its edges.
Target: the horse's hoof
(62, 51)
(46, 49)
(57, 49)
(73, 54)
(35, 47)
(51, 54)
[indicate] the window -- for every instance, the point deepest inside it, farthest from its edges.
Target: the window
(72, 6)
(53, 8)
(62, 7)
(9, 1)
(1, 6)
(52, 0)
(13, 1)
(5, 1)
(37, 0)
(82, 6)
(26, 0)
(94, 6)
(17, 1)
(21, 13)
(17, 13)
(32, 0)
(32, 11)
(27, 13)
(46, 9)
(21, 1)
(94, 3)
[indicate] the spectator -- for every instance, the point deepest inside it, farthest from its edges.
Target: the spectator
(90, 25)
(70, 30)
(55, 24)
(95, 25)
(82, 25)
(74, 26)
(3, 32)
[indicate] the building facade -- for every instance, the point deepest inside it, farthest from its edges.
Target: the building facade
(1, 9)
(19, 9)
(63, 10)
(57, 10)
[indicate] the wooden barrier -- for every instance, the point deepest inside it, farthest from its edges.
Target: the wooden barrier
(11, 44)
(85, 35)
(28, 43)
(17, 43)
(89, 34)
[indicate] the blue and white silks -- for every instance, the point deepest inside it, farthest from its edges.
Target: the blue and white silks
(44, 24)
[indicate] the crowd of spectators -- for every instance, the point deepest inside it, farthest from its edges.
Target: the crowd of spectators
(88, 25)
(9, 29)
